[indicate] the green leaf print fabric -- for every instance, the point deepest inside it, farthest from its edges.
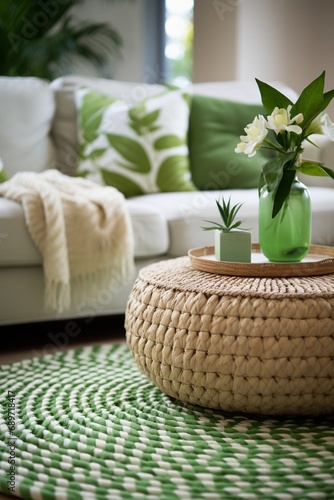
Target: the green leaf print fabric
(137, 148)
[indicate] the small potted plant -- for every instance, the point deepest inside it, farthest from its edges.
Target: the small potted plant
(232, 243)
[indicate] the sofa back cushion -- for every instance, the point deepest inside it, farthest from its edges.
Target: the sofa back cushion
(27, 109)
(215, 127)
(220, 111)
(138, 149)
(65, 129)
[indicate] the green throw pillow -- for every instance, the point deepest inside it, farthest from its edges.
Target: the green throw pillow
(215, 126)
(139, 148)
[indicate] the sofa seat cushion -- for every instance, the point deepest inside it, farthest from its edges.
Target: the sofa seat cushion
(150, 229)
(186, 214)
(18, 249)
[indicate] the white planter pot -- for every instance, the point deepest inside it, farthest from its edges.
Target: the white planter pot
(233, 246)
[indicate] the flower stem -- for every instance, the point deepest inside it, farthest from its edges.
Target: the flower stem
(274, 146)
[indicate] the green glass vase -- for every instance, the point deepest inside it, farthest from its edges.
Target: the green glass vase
(287, 236)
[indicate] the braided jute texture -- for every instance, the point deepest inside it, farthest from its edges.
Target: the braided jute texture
(258, 345)
(86, 424)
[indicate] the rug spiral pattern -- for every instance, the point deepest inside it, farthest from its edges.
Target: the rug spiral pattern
(87, 424)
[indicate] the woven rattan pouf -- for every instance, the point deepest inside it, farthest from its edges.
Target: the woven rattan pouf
(254, 345)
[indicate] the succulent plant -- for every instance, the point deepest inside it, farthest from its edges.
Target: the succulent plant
(228, 215)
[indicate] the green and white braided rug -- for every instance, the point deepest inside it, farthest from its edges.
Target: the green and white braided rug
(86, 424)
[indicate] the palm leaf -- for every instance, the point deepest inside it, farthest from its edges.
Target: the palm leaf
(50, 49)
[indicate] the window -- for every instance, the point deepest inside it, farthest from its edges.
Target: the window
(178, 41)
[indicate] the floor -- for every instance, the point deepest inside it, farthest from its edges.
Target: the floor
(36, 339)
(25, 341)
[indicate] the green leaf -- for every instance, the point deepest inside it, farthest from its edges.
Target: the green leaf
(224, 211)
(220, 227)
(135, 113)
(136, 128)
(328, 171)
(3, 176)
(283, 190)
(328, 96)
(54, 40)
(168, 141)
(174, 175)
(153, 128)
(125, 185)
(91, 113)
(311, 168)
(96, 153)
(311, 100)
(188, 99)
(234, 212)
(271, 97)
(150, 118)
(316, 169)
(212, 228)
(228, 214)
(272, 171)
(141, 122)
(82, 173)
(262, 182)
(131, 151)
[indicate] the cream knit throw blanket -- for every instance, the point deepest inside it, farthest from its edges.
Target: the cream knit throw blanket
(82, 230)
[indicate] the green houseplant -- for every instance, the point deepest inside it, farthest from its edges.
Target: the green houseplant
(284, 202)
(232, 243)
(43, 39)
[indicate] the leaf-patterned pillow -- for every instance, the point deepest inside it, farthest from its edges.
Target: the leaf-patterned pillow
(138, 148)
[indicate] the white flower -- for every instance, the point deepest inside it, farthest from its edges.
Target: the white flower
(322, 125)
(256, 133)
(280, 121)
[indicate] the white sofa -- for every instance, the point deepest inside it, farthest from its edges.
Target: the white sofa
(38, 131)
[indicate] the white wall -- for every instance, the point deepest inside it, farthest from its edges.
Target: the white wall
(273, 40)
(215, 56)
(292, 40)
(129, 18)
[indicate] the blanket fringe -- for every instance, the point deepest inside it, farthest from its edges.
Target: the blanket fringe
(57, 295)
(92, 288)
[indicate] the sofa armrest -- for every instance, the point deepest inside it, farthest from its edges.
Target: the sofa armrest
(323, 153)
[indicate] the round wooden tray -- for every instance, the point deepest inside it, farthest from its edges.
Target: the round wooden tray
(319, 260)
